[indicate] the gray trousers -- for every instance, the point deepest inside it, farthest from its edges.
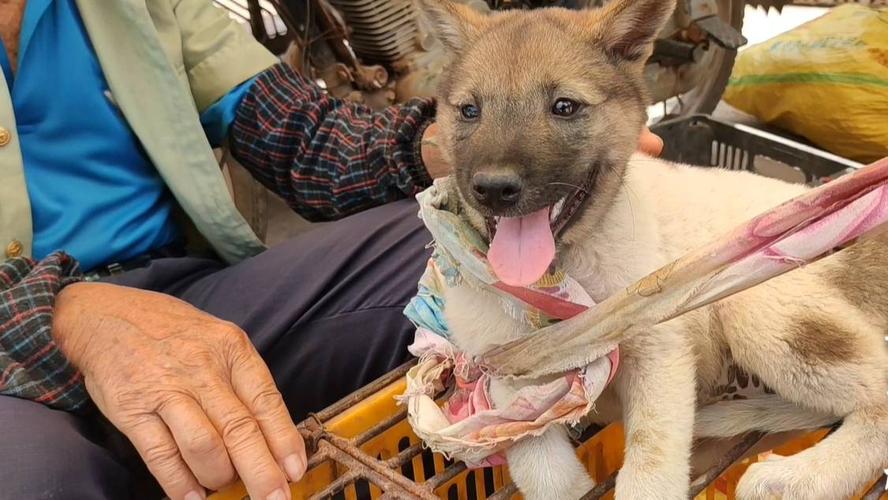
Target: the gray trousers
(324, 310)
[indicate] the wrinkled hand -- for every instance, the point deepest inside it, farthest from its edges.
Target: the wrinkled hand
(189, 390)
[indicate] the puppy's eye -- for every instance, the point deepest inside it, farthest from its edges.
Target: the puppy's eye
(565, 107)
(470, 112)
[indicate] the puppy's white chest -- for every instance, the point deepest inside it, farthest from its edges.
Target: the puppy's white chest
(603, 272)
(479, 320)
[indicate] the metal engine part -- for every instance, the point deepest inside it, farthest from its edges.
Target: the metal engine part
(389, 33)
(382, 31)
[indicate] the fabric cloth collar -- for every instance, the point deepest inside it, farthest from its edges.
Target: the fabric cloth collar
(468, 427)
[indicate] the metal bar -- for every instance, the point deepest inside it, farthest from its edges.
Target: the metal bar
(602, 488)
(505, 492)
(879, 490)
(702, 481)
(363, 393)
(337, 36)
(405, 456)
(358, 469)
(675, 52)
(446, 475)
(391, 496)
(394, 496)
(380, 428)
(376, 471)
(336, 486)
(312, 431)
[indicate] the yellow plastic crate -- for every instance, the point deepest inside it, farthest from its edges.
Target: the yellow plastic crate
(363, 447)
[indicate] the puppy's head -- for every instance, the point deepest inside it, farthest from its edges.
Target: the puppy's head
(537, 105)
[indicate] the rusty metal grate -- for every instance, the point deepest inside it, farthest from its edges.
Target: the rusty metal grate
(411, 472)
(389, 475)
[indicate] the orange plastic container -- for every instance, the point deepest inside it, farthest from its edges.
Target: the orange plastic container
(364, 448)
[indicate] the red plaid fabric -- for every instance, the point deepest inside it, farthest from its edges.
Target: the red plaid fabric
(31, 365)
(325, 157)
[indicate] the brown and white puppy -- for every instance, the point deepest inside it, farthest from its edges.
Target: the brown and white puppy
(537, 104)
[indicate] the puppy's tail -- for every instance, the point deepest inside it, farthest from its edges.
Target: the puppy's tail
(768, 413)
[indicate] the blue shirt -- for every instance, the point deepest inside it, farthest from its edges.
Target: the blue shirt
(94, 192)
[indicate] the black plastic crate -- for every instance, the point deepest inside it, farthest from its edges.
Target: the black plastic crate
(703, 141)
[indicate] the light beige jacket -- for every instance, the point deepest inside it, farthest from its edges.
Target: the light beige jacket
(165, 61)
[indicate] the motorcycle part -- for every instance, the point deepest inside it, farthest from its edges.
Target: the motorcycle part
(695, 88)
(721, 32)
(675, 53)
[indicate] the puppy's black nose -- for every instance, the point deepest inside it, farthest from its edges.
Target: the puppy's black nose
(496, 190)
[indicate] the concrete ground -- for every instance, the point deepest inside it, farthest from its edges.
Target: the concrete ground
(758, 26)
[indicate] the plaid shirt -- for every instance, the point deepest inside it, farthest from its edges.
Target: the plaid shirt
(31, 365)
(325, 157)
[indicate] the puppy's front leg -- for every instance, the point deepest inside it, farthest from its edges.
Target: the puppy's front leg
(657, 389)
(544, 467)
(547, 467)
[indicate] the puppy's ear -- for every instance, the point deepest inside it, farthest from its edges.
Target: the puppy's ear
(628, 28)
(455, 24)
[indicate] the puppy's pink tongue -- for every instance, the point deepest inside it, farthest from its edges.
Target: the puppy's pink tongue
(522, 248)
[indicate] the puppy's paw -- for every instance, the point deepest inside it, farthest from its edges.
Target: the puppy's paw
(763, 481)
(546, 467)
(553, 486)
(783, 478)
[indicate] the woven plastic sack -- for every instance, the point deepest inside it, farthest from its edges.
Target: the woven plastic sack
(826, 80)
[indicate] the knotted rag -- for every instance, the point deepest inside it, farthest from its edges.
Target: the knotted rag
(468, 426)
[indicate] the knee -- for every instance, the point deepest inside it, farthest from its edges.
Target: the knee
(46, 454)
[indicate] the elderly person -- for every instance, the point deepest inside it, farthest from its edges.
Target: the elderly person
(146, 336)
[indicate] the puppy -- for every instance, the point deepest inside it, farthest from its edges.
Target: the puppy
(537, 105)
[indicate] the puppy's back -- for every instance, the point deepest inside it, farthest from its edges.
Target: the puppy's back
(695, 205)
(830, 312)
